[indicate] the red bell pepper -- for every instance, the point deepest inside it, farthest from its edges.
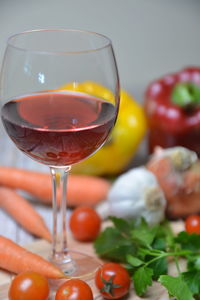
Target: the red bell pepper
(172, 106)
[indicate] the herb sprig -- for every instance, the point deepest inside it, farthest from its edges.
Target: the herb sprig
(145, 252)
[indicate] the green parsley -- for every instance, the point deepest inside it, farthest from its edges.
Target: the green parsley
(145, 250)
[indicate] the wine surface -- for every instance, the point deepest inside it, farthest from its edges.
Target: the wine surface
(58, 129)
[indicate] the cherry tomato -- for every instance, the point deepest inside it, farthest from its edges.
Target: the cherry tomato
(85, 224)
(192, 224)
(112, 280)
(29, 286)
(74, 289)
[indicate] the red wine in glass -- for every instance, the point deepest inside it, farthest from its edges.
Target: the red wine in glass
(58, 128)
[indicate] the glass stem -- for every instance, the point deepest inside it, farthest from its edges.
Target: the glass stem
(59, 239)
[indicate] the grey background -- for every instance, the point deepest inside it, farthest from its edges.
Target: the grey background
(150, 37)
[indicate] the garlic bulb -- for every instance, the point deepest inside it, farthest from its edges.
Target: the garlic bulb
(135, 194)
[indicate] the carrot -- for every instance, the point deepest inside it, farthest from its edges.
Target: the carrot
(16, 259)
(82, 189)
(23, 212)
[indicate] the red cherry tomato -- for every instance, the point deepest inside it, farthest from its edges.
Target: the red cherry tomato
(29, 286)
(85, 224)
(192, 224)
(74, 289)
(112, 280)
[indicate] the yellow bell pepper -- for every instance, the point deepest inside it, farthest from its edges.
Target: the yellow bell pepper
(125, 138)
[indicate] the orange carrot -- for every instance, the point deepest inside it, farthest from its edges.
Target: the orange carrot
(23, 212)
(16, 259)
(82, 190)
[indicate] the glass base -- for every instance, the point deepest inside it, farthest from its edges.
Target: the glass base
(79, 265)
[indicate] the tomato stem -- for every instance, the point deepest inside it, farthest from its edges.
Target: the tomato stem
(109, 285)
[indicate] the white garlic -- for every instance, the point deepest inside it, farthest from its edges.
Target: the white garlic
(135, 194)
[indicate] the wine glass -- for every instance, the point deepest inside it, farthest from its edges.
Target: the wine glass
(52, 115)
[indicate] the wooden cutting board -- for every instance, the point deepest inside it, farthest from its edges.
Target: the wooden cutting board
(155, 292)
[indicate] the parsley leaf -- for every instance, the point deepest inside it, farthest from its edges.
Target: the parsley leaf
(159, 267)
(192, 278)
(193, 262)
(121, 225)
(176, 287)
(134, 261)
(159, 243)
(188, 241)
(111, 244)
(144, 234)
(142, 278)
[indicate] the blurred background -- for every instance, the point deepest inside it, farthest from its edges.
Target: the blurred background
(150, 37)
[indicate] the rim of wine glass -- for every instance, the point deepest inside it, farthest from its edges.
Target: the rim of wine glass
(108, 42)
